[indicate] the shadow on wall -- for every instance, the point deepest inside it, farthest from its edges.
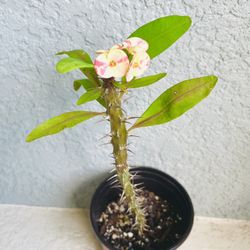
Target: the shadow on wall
(83, 194)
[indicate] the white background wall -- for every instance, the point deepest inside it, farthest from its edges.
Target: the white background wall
(208, 149)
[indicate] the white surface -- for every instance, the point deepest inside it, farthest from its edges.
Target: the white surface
(36, 228)
(208, 149)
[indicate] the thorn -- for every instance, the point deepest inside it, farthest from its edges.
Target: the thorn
(102, 120)
(133, 175)
(105, 136)
(127, 122)
(132, 117)
(112, 170)
(124, 111)
(130, 151)
(137, 136)
(104, 144)
(140, 189)
(137, 185)
(115, 182)
(113, 176)
(128, 98)
(123, 197)
(118, 187)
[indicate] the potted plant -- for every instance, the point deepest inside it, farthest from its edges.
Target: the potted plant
(135, 208)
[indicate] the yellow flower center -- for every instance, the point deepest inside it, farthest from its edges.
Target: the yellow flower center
(136, 65)
(112, 63)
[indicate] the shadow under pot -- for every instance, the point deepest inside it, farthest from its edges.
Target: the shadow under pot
(168, 210)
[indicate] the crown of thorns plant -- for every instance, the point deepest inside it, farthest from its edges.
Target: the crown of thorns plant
(109, 78)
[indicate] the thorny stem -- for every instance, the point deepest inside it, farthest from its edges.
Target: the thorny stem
(119, 136)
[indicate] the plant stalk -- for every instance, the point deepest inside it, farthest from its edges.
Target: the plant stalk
(119, 137)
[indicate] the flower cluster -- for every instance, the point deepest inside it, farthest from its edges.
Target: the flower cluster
(115, 62)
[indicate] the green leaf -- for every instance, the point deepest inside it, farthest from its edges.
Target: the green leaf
(83, 82)
(83, 55)
(68, 64)
(58, 123)
(77, 85)
(89, 86)
(176, 100)
(89, 96)
(162, 33)
(77, 54)
(144, 81)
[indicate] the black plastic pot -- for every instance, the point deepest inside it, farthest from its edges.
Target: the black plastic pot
(156, 181)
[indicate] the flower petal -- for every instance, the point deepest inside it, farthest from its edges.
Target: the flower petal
(135, 43)
(101, 65)
(120, 62)
(129, 76)
(138, 65)
(101, 51)
(117, 46)
(116, 55)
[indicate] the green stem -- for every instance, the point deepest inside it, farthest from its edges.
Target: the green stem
(119, 135)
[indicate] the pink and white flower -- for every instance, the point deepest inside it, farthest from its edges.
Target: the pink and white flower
(138, 65)
(135, 45)
(115, 62)
(112, 63)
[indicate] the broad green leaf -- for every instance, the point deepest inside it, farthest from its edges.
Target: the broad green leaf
(144, 81)
(77, 54)
(83, 55)
(89, 86)
(68, 64)
(58, 123)
(83, 82)
(162, 32)
(176, 100)
(89, 72)
(89, 96)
